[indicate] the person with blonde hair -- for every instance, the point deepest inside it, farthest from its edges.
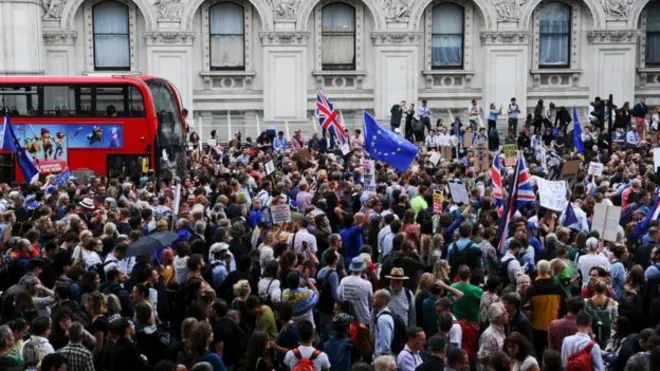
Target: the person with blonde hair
(384, 363)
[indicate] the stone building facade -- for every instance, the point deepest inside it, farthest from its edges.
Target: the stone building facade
(241, 62)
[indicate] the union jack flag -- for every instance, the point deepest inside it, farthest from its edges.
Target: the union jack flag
(521, 194)
(328, 118)
(496, 178)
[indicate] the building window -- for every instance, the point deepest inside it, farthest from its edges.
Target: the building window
(227, 35)
(338, 37)
(447, 36)
(653, 35)
(112, 49)
(555, 36)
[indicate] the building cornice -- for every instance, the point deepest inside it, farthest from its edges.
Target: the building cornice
(504, 37)
(395, 38)
(284, 38)
(59, 37)
(169, 38)
(612, 36)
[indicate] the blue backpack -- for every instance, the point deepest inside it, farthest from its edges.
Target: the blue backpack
(339, 353)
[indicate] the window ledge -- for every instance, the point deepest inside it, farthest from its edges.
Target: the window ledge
(649, 69)
(112, 73)
(228, 79)
(442, 72)
(227, 73)
(554, 71)
(339, 73)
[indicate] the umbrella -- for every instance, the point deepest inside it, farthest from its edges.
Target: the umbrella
(147, 244)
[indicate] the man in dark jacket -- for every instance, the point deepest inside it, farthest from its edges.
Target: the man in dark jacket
(397, 114)
(113, 286)
(435, 359)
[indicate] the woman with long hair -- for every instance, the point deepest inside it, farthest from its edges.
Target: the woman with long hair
(630, 300)
(423, 292)
(410, 228)
(257, 356)
(125, 355)
(519, 349)
(201, 339)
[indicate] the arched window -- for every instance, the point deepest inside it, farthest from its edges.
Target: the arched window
(227, 35)
(112, 49)
(338, 37)
(653, 34)
(555, 36)
(447, 36)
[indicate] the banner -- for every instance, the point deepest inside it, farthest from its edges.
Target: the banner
(369, 175)
(606, 221)
(510, 154)
(552, 194)
(47, 145)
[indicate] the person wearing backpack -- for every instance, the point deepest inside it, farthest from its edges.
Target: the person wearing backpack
(341, 350)
(603, 310)
(305, 357)
(466, 252)
(402, 302)
(328, 282)
(389, 330)
(410, 357)
(579, 352)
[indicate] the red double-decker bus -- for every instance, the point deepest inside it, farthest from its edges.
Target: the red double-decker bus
(112, 125)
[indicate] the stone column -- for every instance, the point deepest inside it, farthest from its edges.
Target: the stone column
(169, 55)
(397, 69)
(286, 76)
(20, 37)
(614, 63)
(506, 69)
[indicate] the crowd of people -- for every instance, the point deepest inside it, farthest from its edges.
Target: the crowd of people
(365, 274)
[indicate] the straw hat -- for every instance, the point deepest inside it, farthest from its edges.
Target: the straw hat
(397, 274)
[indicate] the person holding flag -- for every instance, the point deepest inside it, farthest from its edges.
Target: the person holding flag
(9, 142)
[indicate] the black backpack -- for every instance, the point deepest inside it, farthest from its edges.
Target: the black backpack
(425, 220)
(418, 126)
(208, 273)
(399, 338)
(503, 272)
(326, 303)
(470, 256)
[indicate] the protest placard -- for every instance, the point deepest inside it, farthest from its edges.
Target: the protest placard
(459, 193)
(345, 148)
(437, 202)
(447, 152)
(510, 154)
(369, 175)
(606, 221)
(595, 168)
(280, 213)
(468, 139)
(483, 161)
(177, 198)
(269, 166)
(552, 194)
(570, 169)
(435, 158)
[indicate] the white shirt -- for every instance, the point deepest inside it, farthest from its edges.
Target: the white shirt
(48, 349)
(320, 363)
(576, 343)
(180, 268)
(301, 236)
(357, 291)
(269, 286)
(407, 360)
(90, 258)
(588, 261)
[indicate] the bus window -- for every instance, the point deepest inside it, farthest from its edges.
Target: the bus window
(135, 102)
(170, 150)
(111, 101)
(59, 101)
(85, 97)
(19, 100)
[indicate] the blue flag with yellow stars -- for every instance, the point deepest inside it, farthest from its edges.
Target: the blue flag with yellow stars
(387, 146)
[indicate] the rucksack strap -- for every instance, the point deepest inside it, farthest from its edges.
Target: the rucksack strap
(315, 354)
(589, 346)
(296, 353)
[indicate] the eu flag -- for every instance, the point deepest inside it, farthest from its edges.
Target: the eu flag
(569, 216)
(9, 142)
(384, 145)
(577, 132)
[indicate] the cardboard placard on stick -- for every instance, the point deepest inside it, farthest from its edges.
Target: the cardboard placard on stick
(510, 154)
(468, 139)
(483, 159)
(570, 169)
(280, 213)
(447, 152)
(606, 221)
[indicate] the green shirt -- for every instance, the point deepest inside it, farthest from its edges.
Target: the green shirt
(467, 307)
(418, 204)
(266, 322)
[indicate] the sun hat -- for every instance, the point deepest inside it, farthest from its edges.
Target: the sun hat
(86, 203)
(397, 274)
(357, 264)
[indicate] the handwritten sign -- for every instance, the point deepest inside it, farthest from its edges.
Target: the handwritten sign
(345, 148)
(468, 140)
(435, 158)
(552, 194)
(269, 166)
(459, 193)
(369, 175)
(437, 202)
(595, 168)
(606, 221)
(483, 161)
(280, 213)
(510, 154)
